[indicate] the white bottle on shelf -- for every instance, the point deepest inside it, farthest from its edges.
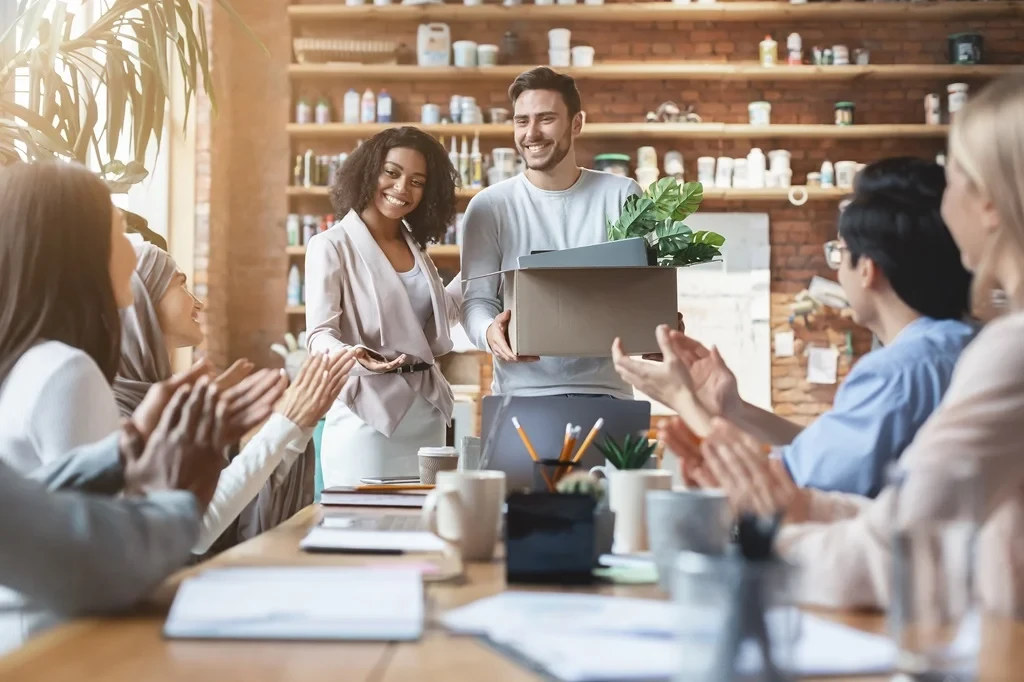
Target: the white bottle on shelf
(828, 175)
(351, 107)
(294, 286)
(756, 169)
(368, 109)
(383, 107)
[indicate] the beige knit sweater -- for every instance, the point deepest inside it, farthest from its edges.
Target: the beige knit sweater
(844, 551)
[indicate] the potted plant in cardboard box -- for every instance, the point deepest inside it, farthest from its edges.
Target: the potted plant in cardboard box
(657, 216)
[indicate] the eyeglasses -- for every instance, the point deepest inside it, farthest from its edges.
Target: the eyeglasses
(834, 253)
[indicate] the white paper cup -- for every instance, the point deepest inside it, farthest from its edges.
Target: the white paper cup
(582, 55)
(559, 39)
(433, 460)
(560, 58)
(487, 55)
(464, 52)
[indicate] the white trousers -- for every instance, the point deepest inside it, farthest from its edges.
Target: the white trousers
(351, 449)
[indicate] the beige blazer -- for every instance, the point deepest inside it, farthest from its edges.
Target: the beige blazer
(354, 298)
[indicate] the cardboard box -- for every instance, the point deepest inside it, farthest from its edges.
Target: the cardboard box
(575, 302)
(578, 312)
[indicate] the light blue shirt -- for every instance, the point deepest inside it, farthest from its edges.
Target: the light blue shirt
(878, 409)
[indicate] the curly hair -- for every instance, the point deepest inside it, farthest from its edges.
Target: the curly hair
(356, 181)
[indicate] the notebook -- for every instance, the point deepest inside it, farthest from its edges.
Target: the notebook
(344, 496)
(300, 603)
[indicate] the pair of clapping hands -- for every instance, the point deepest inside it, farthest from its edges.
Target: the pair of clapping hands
(176, 437)
(713, 452)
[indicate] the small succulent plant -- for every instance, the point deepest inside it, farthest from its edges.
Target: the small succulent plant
(581, 484)
(632, 453)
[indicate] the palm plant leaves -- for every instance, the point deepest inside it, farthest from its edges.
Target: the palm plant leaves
(122, 62)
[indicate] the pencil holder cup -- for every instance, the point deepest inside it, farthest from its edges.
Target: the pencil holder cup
(548, 472)
(549, 538)
(730, 605)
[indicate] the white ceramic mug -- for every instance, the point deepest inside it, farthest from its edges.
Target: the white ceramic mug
(464, 509)
(627, 498)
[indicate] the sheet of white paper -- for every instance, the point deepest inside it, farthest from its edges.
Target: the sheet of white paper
(822, 365)
(511, 611)
(339, 539)
(299, 603)
(593, 638)
(784, 342)
(824, 649)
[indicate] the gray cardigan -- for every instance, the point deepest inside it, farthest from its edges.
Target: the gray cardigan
(72, 553)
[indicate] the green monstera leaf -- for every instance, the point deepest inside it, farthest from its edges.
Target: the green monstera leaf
(636, 219)
(657, 215)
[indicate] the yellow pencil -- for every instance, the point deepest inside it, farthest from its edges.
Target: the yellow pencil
(564, 454)
(525, 439)
(590, 439)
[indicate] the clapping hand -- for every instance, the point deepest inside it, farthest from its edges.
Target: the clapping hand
(182, 451)
(667, 381)
(316, 387)
(736, 462)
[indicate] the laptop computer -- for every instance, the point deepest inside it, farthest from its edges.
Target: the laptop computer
(544, 419)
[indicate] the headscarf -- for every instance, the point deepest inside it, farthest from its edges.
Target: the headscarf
(145, 361)
(144, 354)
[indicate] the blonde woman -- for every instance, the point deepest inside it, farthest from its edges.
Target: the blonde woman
(844, 552)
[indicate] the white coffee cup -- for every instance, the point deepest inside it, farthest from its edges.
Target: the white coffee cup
(627, 497)
(464, 509)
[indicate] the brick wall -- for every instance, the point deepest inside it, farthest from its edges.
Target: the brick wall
(247, 158)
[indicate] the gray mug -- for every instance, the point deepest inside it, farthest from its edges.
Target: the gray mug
(686, 520)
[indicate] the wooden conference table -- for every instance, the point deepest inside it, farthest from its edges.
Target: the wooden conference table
(131, 649)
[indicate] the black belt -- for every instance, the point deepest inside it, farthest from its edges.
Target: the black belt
(407, 369)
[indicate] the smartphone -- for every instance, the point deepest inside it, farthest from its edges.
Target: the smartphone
(390, 480)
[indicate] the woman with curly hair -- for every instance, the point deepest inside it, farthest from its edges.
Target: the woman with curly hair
(371, 286)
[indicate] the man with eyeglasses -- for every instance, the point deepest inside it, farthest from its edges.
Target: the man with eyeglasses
(905, 282)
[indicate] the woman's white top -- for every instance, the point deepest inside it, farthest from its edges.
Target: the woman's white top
(418, 288)
(56, 399)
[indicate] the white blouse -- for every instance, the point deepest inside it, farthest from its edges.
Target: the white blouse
(56, 399)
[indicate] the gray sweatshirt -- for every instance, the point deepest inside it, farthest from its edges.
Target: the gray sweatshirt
(72, 553)
(512, 219)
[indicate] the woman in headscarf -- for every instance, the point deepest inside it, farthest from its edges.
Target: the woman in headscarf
(272, 477)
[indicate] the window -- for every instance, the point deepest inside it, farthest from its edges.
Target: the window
(149, 198)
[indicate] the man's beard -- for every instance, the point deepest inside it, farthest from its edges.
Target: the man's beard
(559, 152)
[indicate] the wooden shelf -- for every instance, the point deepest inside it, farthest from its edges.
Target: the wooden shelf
(710, 193)
(294, 191)
(439, 251)
(295, 310)
(643, 130)
(656, 71)
(779, 11)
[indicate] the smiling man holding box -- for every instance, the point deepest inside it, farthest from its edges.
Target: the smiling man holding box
(554, 205)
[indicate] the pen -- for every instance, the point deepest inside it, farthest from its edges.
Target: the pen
(589, 439)
(525, 439)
